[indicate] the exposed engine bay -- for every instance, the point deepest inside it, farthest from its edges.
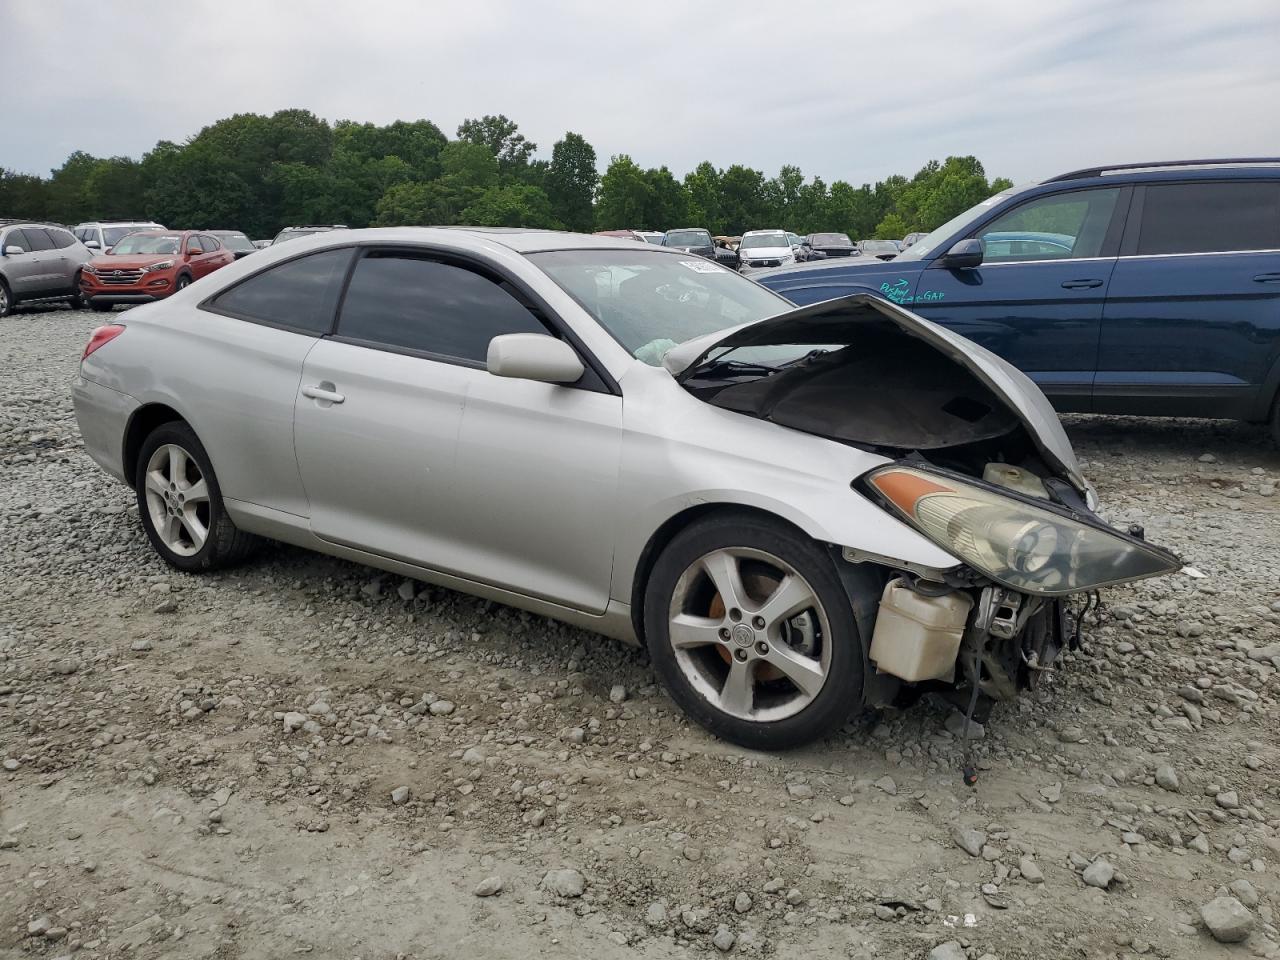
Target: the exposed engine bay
(979, 465)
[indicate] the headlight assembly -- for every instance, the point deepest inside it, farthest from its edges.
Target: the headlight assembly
(1027, 547)
(162, 265)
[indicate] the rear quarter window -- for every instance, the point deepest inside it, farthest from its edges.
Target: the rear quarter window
(298, 295)
(1210, 217)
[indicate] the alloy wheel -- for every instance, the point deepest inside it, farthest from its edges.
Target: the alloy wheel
(177, 500)
(4, 301)
(750, 634)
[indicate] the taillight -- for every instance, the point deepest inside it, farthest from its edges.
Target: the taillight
(101, 337)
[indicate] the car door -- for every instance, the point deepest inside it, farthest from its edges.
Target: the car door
(1192, 319)
(250, 341)
(1037, 297)
(21, 266)
(409, 448)
(48, 263)
(70, 257)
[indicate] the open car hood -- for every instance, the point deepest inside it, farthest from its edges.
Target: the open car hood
(842, 320)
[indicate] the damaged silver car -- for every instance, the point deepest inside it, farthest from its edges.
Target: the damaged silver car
(799, 512)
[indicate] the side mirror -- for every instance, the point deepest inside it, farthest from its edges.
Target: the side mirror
(964, 255)
(92, 244)
(533, 356)
(13, 251)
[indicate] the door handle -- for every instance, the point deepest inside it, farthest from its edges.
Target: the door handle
(1267, 278)
(320, 393)
(1080, 284)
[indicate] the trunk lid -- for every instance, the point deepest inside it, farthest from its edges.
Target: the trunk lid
(837, 322)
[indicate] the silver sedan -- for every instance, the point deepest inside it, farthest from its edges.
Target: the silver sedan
(799, 512)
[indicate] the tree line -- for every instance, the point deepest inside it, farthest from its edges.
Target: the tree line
(259, 173)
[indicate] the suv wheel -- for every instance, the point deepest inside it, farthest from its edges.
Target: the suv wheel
(6, 300)
(752, 633)
(76, 301)
(181, 505)
(184, 281)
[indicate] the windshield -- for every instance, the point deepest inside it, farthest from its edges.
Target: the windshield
(652, 238)
(880, 246)
(651, 301)
(147, 243)
(236, 241)
(830, 240)
(113, 235)
(688, 238)
(928, 241)
(764, 240)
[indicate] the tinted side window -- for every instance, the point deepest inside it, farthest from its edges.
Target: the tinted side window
(16, 238)
(37, 239)
(61, 239)
(299, 294)
(209, 243)
(1062, 226)
(1208, 217)
(414, 303)
(194, 245)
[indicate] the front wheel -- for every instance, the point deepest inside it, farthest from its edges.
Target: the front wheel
(183, 282)
(181, 504)
(752, 633)
(6, 300)
(76, 301)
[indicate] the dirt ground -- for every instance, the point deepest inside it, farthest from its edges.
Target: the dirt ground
(305, 757)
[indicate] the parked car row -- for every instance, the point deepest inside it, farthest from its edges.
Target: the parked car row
(103, 263)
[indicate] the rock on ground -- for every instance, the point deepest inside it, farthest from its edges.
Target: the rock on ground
(1227, 919)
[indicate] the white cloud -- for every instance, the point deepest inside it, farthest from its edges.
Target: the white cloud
(845, 91)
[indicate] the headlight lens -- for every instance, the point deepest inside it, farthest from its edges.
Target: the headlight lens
(89, 268)
(162, 265)
(1022, 546)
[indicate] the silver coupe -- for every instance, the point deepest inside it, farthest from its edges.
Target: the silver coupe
(798, 511)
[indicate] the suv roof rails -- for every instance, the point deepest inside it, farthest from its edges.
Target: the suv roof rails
(1086, 172)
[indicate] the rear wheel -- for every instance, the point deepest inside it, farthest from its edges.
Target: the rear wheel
(752, 632)
(181, 504)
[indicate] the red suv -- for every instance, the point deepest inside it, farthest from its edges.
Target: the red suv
(150, 265)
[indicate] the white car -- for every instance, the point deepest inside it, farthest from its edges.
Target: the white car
(765, 249)
(101, 235)
(799, 511)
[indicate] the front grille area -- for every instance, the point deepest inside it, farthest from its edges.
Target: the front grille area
(119, 276)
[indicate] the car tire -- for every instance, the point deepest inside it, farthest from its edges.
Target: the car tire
(101, 307)
(181, 506)
(76, 301)
(801, 669)
(6, 300)
(182, 282)
(1275, 421)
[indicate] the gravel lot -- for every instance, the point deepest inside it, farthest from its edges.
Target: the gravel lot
(302, 756)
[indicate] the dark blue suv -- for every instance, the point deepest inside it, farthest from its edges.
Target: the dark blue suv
(1145, 288)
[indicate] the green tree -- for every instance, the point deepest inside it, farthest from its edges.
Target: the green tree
(742, 199)
(23, 195)
(624, 198)
(571, 181)
(502, 138)
(668, 205)
(892, 227)
(513, 204)
(702, 186)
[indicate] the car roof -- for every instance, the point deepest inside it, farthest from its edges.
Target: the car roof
(118, 223)
(754, 233)
(518, 239)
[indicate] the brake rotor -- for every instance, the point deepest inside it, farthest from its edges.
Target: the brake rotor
(765, 672)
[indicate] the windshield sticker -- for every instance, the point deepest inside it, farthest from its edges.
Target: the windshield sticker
(900, 292)
(702, 266)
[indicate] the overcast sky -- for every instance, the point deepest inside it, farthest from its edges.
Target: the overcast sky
(846, 91)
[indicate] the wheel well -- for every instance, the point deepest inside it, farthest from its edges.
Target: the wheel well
(144, 420)
(667, 532)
